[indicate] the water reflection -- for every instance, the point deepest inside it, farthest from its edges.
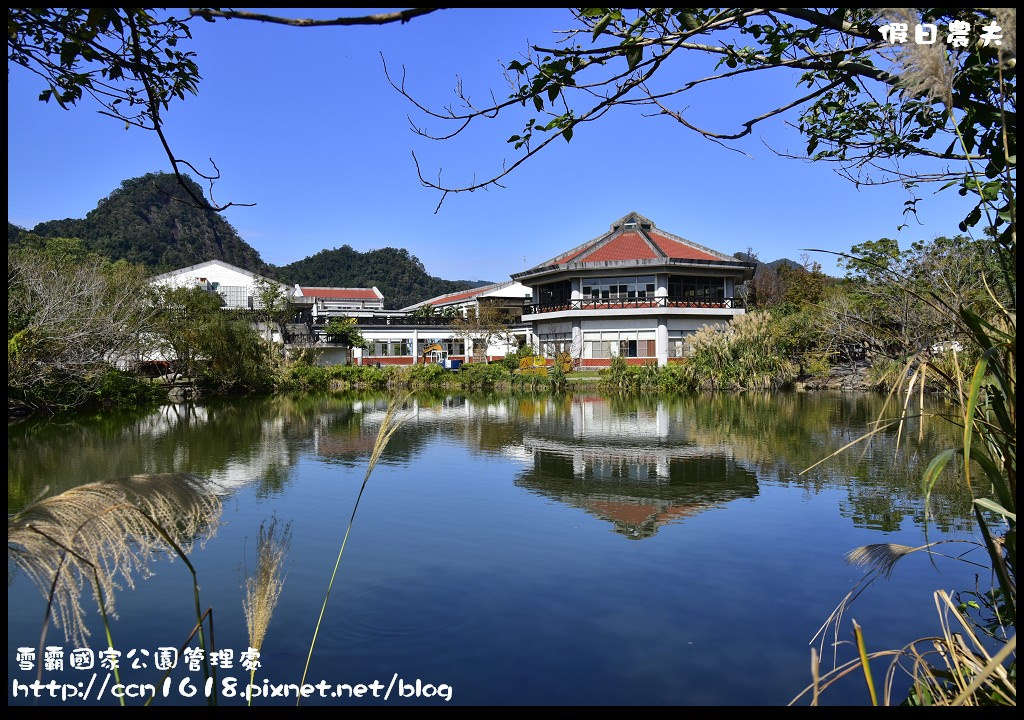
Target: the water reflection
(636, 462)
(633, 469)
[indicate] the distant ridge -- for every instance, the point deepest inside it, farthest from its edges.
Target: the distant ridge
(150, 220)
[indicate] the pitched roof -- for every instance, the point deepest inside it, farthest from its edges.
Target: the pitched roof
(633, 237)
(460, 296)
(333, 293)
(220, 263)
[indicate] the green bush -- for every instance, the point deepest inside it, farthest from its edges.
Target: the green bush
(511, 361)
(363, 376)
(309, 377)
(117, 388)
(622, 376)
(429, 374)
(747, 354)
(482, 375)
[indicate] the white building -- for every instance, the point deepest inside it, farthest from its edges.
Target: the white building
(401, 337)
(635, 292)
(239, 288)
(328, 302)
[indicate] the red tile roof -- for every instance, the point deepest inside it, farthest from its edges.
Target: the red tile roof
(341, 293)
(456, 297)
(675, 249)
(634, 237)
(624, 246)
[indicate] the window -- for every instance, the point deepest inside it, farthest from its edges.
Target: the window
(452, 347)
(696, 289)
(389, 348)
(551, 344)
(628, 343)
(679, 343)
(236, 296)
(557, 293)
(618, 288)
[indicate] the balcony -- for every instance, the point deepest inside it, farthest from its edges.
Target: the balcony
(635, 303)
(404, 320)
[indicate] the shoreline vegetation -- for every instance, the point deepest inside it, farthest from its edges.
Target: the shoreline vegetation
(118, 390)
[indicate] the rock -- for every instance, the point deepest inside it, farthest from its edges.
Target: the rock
(181, 393)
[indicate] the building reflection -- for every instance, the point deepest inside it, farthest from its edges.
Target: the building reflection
(633, 468)
(632, 465)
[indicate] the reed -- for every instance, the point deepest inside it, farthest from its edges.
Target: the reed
(112, 528)
(389, 425)
(955, 667)
(263, 589)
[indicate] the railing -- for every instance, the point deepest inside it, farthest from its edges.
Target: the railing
(413, 320)
(617, 304)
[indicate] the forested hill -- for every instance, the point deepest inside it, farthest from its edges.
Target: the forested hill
(150, 220)
(399, 275)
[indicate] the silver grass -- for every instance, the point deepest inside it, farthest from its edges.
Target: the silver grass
(105, 533)
(1006, 19)
(263, 589)
(880, 558)
(923, 70)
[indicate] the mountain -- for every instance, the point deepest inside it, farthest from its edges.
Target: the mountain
(399, 275)
(763, 266)
(152, 221)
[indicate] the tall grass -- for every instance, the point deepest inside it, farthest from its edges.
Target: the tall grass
(956, 667)
(390, 424)
(103, 533)
(263, 589)
(746, 354)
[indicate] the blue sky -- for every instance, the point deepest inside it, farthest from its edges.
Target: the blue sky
(303, 123)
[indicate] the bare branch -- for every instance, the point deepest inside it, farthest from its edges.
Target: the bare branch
(402, 16)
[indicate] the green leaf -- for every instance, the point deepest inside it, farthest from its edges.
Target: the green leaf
(633, 56)
(538, 102)
(931, 474)
(553, 91)
(567, 134)
(601, 25)
(996, 508)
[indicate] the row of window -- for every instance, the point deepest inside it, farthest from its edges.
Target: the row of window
(618, 288)
(403, 347)
(609, 344)
(639, 287)
(697, 289)
(552, 344)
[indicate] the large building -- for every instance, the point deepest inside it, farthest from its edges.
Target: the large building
(447, 321)
(328, 302)
(635, 291)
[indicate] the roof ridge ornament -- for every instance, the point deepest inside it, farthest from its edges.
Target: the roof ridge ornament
(632, 221)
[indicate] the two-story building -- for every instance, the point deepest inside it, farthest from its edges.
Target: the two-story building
(635, 292)
(401, 337)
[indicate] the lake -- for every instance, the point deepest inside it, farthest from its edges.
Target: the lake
(513, 550)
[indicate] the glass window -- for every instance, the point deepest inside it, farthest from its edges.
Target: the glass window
(556, 293)
(389, 348)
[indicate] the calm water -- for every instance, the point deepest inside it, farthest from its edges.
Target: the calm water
(521, 550)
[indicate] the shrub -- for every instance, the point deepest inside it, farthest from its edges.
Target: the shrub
(115, 387)
(481, 375)
(511, 361)
(747, 354)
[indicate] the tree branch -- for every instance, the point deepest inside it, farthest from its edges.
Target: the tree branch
(404, 16)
